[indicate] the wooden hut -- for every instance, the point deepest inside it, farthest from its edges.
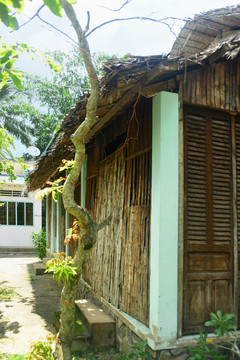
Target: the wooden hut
(164, 161)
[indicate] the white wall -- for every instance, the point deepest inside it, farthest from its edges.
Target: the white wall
(19, 236)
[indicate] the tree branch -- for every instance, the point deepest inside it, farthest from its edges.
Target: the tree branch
(55, 28)
(145, 18)
(31, 18)
(47, 23)
(104, 223)
(88, 22)
(121, 7)
(78, 138)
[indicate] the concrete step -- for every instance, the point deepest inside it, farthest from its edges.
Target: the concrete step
(102, 328)
(38, 268)
(6, 250)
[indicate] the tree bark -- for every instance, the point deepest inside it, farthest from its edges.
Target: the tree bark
(88, 227)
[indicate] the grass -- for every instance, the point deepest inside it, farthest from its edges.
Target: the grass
(31, 278)
(11, 357)
(7, 293)
(85, 354)
(99, 354)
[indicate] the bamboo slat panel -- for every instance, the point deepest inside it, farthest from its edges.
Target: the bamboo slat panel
(118, 268)
(216, 86)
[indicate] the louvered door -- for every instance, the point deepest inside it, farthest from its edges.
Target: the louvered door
(208, 225)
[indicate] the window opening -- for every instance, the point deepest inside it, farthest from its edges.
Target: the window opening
(3, 213)
(16, 213)
(11, 213)
(20, 213)
(29, 214)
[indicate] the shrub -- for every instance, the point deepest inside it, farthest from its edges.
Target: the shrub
(40, 243)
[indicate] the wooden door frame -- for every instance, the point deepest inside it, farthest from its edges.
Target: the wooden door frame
(182, 192)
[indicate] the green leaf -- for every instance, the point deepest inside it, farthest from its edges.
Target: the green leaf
(54, 6)
(7, 19)
(17, 4)
(17, 79)
(219, 314)
(55, 67)
(4, 11)
(3, 78)
(9, 64)
(72, 2)
(13, 23)
(69, 232)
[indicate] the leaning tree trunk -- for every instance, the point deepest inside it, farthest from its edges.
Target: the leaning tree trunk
(88, 227)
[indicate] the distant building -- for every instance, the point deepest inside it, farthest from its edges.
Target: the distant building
(20, 214)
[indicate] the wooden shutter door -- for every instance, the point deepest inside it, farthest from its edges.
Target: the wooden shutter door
(208, 225)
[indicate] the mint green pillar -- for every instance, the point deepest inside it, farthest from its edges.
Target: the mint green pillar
(59, 216)
(53, 227)
(47, 219)
(164, 218)
(83, 182)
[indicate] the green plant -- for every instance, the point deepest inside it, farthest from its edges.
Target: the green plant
(140, 351)
(208, 348)
(224, 324)
(42, 349)
(40, 243)
(204, 350)
(31, 278)
(61, 268)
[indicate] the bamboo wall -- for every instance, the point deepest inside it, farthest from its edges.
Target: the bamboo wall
(216, 86)
(120, 185)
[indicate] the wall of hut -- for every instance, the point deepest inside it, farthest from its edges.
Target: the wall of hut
(119, 184)
(216, 86)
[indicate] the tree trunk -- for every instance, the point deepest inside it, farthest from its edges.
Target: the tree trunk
(88, 227)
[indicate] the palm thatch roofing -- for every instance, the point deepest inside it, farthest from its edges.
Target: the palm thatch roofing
(208, 38)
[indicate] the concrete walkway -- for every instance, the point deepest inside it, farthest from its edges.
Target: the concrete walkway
(29, 316)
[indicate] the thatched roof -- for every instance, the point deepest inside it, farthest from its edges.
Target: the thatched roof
(122, 80)
(205, 28)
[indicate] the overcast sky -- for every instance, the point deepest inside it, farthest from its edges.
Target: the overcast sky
(135, 37)
(118, 38)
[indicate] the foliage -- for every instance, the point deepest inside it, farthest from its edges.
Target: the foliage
(6, 166)
(224, 324)
(55, 189)
(208, 348)
(10, 20)
(6, 142)
(40, 243)
(204, 350)
(140, 351)
(44, 102)
(10, 118)
(7, 293)
(42, 349)
(11, 357)
(61, 268)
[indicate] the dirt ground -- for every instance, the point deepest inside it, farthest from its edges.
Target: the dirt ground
(30, 315)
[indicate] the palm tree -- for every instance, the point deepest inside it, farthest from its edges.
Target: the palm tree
(12, 114)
